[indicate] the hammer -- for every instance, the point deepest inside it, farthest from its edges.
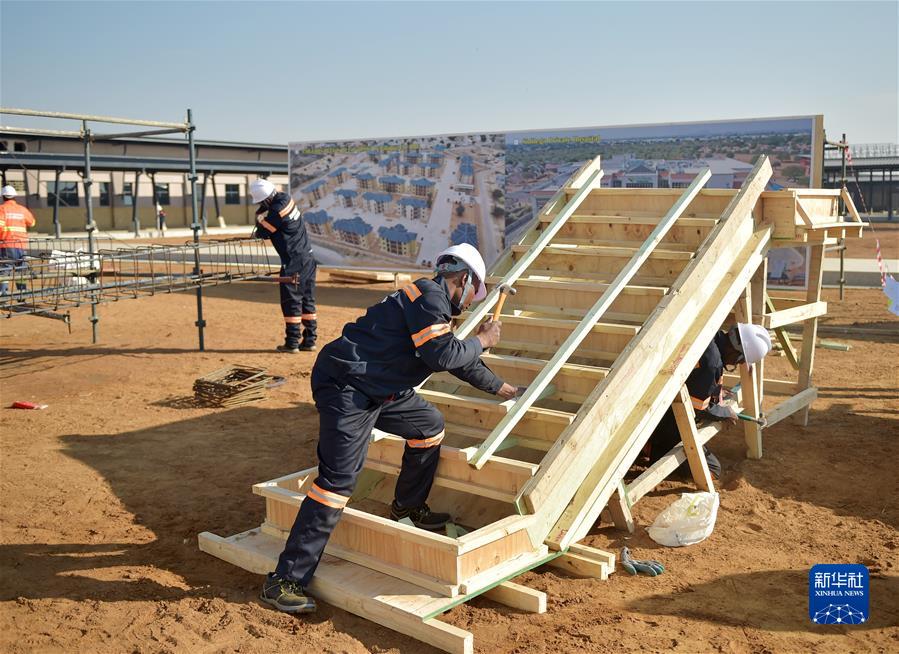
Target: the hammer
(760, 421)
(504, 291)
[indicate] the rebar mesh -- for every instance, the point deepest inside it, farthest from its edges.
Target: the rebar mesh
(51, 278)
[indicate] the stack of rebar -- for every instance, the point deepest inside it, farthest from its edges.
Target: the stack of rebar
(232, 386)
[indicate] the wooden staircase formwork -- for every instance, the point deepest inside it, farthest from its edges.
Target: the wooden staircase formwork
(619, 292)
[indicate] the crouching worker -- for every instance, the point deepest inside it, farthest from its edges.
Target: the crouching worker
(364, 380)
(743, 343)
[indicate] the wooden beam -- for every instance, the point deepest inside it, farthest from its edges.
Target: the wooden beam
(810, 328)
(518, 597)
(534, 413)
(592, 180)
(580, 566)
(621, 510)
(385, 600)
(589, 322)
(779, 386)
(686, 425)
(798, 402)
(749, 382)
(783, 338)
(500, 479)
(794, 314)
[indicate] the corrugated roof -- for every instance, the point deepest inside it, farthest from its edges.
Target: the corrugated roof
(421, 203)
(312, 187)
(397, 234)
(354, 225)
(465, 233)
(317, 217)
(392, 179)
(345, 193)
(374, 196)
(421, 181)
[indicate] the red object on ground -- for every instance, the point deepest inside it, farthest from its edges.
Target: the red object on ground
(28, 405)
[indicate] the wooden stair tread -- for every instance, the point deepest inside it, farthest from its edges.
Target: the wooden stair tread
(547, 281)
(476, 403)
(604, 250)
(563, 323)
(528, 363)
(683, 221)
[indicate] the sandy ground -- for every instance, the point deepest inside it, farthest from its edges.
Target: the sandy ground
(103, 494)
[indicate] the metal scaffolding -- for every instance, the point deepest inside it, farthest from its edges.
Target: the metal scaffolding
(44, 285)
(54, 278)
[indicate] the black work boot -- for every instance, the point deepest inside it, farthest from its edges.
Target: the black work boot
(421, 516)
(307, 346)
(288, 348)
(286, 595)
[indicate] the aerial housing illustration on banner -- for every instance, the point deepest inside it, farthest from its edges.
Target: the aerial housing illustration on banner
(371, 203)
(396, 203)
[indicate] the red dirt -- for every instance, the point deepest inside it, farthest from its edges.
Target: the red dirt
(104, 493)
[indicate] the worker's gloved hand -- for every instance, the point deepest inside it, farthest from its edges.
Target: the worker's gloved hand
(489, 333)
(634, 566)
(720, 412)
(507, 391)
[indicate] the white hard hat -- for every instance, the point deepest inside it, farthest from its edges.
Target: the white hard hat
(755, 341)
(261, 189)
(472, 259)
(8, 192)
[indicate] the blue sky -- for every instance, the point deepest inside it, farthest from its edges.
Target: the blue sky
(291, 71)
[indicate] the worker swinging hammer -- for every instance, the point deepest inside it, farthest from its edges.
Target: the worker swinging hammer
(278, 219)
(364, 380)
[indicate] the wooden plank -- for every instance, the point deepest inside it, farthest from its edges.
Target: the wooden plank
(779, 386)
(621, 510)
(784, 339)
(580, 566)
(686, 425)
(794, 314)
(803, 215)
(605, 251)
(592, 453)
(588, 324)
(534, 413)
(798, 402)
(385, 600)
(604, 557)
(500, 479)
(585, 218)
(545, 238)
(752, 432)
(518, 597)
(810, 328)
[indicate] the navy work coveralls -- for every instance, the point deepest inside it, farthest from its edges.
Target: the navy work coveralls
(704, 385)
(364, 380)
(281, 222)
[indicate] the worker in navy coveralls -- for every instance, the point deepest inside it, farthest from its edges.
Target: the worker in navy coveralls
(364, 380)
(742, 344)
(278, 219)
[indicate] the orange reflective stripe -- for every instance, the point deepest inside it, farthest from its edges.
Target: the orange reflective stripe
(286, 210)
(412, 292)
(329, 499)
(309, 316)
(292, 320)
(426, 442)
(267, 225)
(432, 331)
(700, 404)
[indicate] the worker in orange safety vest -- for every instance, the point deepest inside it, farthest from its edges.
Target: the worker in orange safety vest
(14, 223)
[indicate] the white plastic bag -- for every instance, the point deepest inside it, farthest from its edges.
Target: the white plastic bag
(688, 521)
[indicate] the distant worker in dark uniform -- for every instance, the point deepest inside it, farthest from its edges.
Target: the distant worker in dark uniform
(743, 343)
(278, 219)
(364, 380)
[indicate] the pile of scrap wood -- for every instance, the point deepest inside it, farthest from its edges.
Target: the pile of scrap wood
(233, 386)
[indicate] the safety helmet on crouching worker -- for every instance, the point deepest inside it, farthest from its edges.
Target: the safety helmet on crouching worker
(464, 257)
(8, 192)
(753, 341)
(260, 189)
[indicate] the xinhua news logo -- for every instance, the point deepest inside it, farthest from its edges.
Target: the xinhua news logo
(838, 594)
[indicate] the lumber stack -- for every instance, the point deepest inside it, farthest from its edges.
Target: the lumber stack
(232, 386)
(619, 292)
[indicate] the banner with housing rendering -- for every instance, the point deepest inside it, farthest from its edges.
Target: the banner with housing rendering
(395, 203)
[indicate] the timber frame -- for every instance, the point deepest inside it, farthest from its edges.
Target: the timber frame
(619, 291)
